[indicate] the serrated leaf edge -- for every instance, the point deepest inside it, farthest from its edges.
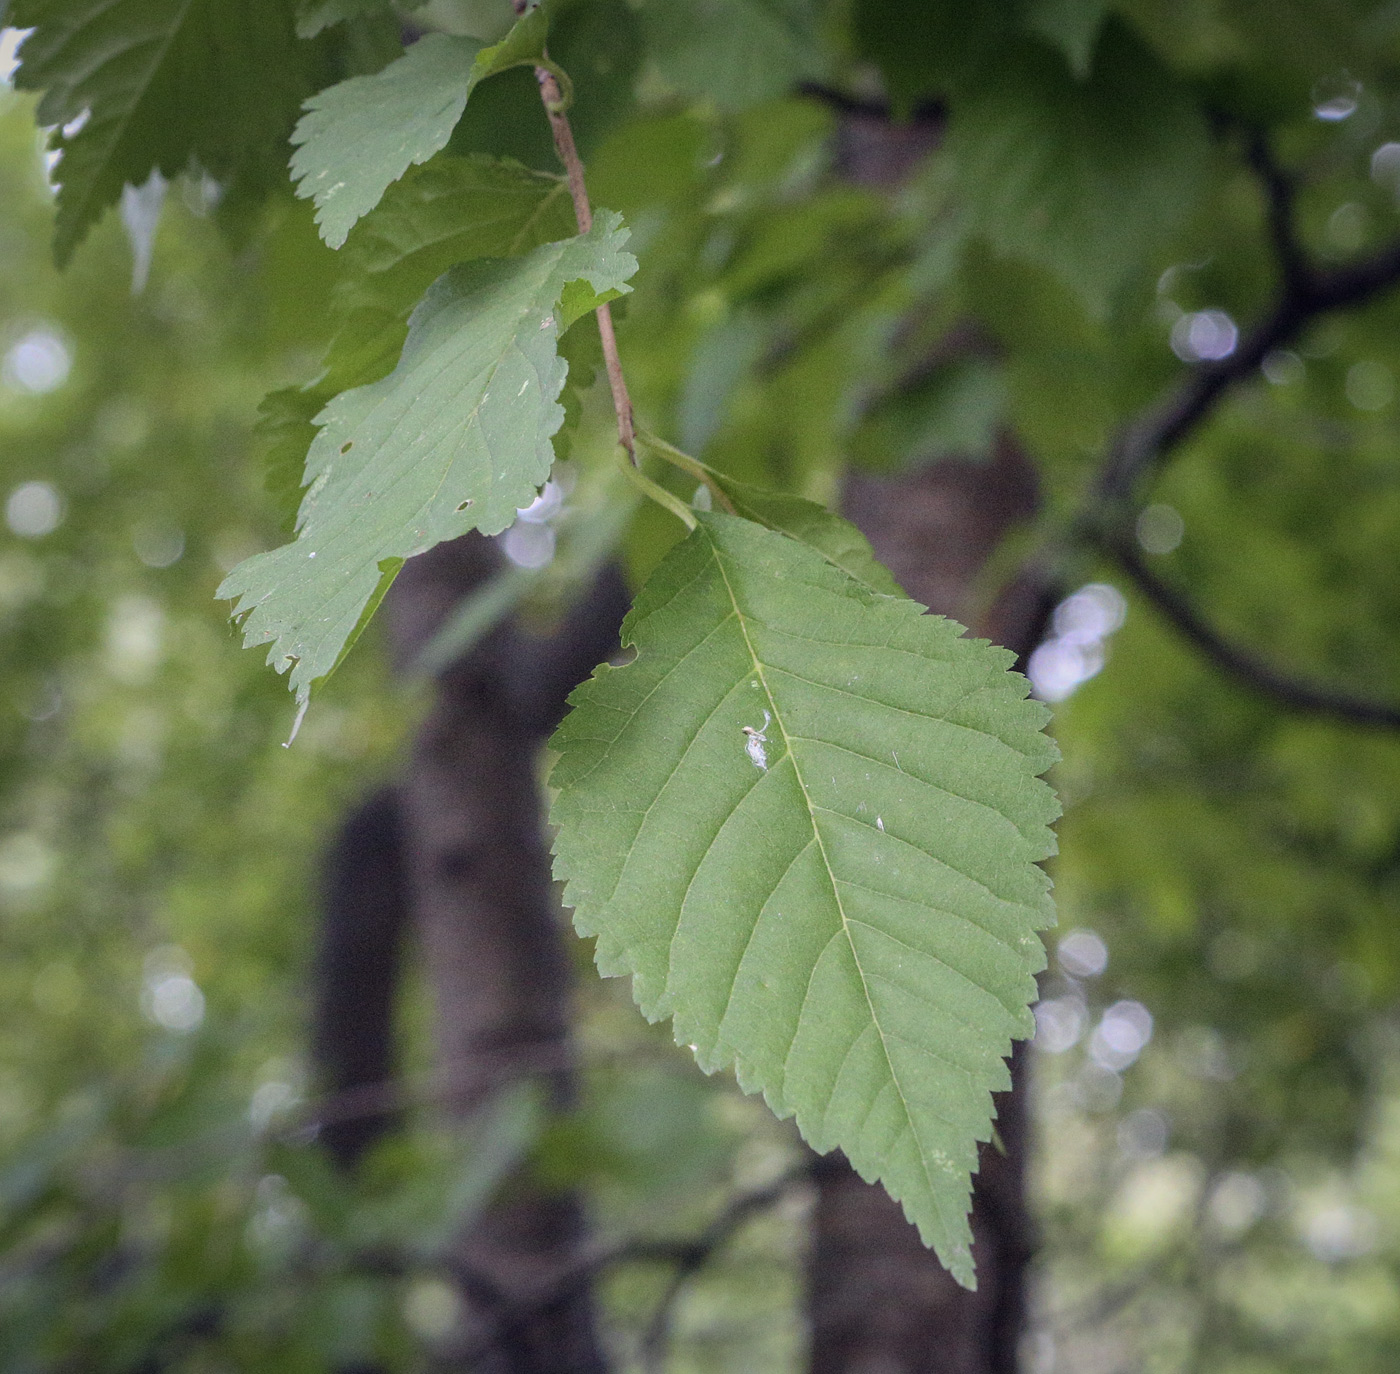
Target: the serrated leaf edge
(613, 958)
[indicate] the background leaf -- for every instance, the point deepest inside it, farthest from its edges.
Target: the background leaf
(315, 15)
(853, 925)
(924, 47)
(455, 439)
(360, 135)
(735, 52)
(1070, 25)
(1084, 178)
(158, 83)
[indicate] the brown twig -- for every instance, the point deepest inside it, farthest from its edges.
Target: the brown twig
(1294, 693)
(1143, 446)
(564, 145)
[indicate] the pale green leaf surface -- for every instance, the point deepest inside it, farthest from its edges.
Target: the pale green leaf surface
(453, 209)
(833, 536)
(157, 83)
(852, 927)
(454, 439)
(361, 135)
(438, 215)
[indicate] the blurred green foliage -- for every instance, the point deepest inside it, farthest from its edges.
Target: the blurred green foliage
(1220, 1194)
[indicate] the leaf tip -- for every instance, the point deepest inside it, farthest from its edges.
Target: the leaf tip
(303, 701)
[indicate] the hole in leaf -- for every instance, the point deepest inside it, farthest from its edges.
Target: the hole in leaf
(347, 446)
(465, 504)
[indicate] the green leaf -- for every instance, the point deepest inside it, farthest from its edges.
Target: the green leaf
(853, 925)
(734, 52)
(1070, 25)
(315, 15)
(953, 411)
(1085, 178)
(926, 47)
(453, 209)
(447, 212)
(158, 83)
(835, 538)
(360, 135)
(454, 439)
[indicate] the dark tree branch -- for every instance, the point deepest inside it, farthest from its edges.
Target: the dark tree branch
(694, 1256)
(1144, 445)
(1288, 691)
(859, 107)
(1305, 292)
(471, 1081)
(1280, 194)
(688, 1257)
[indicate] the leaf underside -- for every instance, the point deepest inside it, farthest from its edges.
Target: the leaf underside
(454, 439)
(436, 216)
(853, 925)
(449, 211)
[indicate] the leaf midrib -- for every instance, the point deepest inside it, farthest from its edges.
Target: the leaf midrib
(831, 879)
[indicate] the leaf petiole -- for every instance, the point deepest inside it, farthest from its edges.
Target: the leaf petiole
(677, 458)
(668, 500)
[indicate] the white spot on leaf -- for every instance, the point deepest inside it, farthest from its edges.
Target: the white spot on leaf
(755, 741)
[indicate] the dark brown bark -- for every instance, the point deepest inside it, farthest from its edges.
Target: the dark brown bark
(488, 923)
(877, 1300)
(364, 912)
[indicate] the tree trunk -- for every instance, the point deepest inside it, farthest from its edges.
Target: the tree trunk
(489, 928)
(878, 1302)
(364, 913)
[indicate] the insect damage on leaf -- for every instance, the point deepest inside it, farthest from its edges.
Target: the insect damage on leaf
(755, 742)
